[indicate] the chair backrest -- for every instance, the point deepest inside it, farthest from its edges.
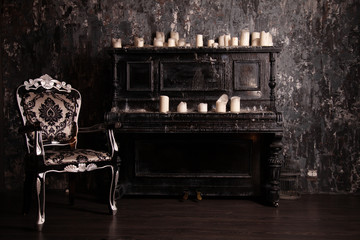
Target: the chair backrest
(53, 104)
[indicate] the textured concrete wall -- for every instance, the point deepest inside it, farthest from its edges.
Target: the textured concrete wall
(318, 69)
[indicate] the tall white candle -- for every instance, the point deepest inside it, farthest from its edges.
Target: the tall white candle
(221, 103)
(266, 39)
(199, 40)
(164, 104)
(171, 42)
(255, 39)
(203, 108)
(235, 105)
(222, 41)
(234, 41)
(182, 107)
(245, 38)
(116, 42)
(210, 42)
(227, 40)
(160, 36)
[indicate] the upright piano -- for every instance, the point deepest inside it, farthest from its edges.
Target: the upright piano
(218, 154)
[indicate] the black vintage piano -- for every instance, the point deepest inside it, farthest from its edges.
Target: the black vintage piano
(218, 154)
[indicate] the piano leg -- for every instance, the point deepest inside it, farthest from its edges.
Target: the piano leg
(273, 171)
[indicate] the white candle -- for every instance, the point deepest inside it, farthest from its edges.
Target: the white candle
(203, 108)
(210, 42)
(227, 40)
(221, 103)
(158, 42)
(255, 39)
(181, 42)
(234, 41)
(215, 45)
(245, 38)
(266, 39)
(235, 105)
(116, 42)
(164, 104)
(174, 35)
(182, 107)
(222, 41)
(139, 42)
(187, 45)
(199, 40)
(160, 36)
(171, 42)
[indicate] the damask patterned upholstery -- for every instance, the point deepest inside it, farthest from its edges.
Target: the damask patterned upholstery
(55, 112)
(75, 156)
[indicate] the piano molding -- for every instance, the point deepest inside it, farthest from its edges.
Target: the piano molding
(317, 71)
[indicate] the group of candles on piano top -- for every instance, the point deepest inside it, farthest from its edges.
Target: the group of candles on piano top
(203, 107)
(246, 39)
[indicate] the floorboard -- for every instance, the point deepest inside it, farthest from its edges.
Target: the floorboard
(310, 217)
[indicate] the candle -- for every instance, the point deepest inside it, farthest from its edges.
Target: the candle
(222, 41)
(171, 42)
(160, 36)
(139, 42)
(266, 39)
(174, 35)
(158, 42)
(234, 41)
(202, 107)
(164, 104)
(221, 103)
(116, 42)
(210, 42)
(181, 42)
(255, 39)
(199, 40)
(215, 45)
(182, 107)
(227, 40)
(235, 105)
(187, 45)
(245, 38)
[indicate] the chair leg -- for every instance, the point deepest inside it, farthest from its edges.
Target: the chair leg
(113, 184)
(40, 193)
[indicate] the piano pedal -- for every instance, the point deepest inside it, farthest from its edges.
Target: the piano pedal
(198, 195)
(186, 195)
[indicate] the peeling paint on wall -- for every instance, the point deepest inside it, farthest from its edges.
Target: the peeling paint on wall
(317, 71)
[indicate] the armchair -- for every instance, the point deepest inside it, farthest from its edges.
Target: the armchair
(49, 110)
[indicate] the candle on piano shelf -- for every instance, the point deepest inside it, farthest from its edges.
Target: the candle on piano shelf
(266, 39)
(116, 42)
(181, 42)
(160, 36)
(203, 108)
(227, 40)
(235, 105)
(245, 38)
(215, 45)
(139, 42)
(171, 42)
(164, 104)
(221, 104)
(234, 41)
(222, 41)
(199, 40)
(174, 35)
(158, 42)
(210, 42)
(182, 107)
(255, 39)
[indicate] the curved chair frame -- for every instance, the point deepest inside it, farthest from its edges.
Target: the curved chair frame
(36, 167)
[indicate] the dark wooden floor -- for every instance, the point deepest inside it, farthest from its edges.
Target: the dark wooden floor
(310, 217)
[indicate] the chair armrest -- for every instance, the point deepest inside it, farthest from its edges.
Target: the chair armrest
(30, 128)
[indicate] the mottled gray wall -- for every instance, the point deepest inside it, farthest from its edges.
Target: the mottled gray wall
(318, 69)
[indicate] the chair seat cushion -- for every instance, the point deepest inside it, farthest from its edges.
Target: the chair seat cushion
(60, 157)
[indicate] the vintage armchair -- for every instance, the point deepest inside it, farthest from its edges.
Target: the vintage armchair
(49, 110)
